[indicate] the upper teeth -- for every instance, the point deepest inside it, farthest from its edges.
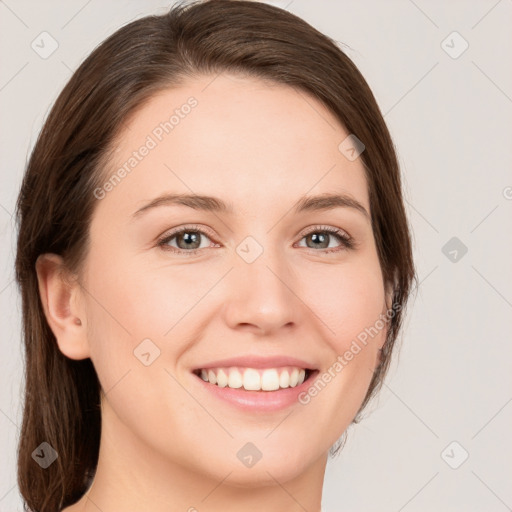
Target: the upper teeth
(252, 379)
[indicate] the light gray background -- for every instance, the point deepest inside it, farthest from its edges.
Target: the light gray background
(451, 122)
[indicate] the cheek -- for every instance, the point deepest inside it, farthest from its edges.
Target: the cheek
(137, 302)
(352, 309)
(129, 303)
(129, 313)
(348, 299)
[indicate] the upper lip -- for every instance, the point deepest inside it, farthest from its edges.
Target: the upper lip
(254, 361)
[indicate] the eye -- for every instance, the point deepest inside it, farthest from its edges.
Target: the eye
(187, 240)
(321, 237)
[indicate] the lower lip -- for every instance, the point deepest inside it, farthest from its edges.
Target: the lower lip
(260, 401)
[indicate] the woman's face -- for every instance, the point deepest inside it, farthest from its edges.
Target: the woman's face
(261, 278)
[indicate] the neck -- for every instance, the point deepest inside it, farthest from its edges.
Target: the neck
(132, 476)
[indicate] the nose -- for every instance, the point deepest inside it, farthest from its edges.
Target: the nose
(261, 296)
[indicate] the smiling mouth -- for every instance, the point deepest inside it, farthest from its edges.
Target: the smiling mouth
(256, 379)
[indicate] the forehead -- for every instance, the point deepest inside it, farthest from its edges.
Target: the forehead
(242, 139)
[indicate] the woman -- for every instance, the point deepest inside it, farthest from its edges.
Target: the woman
(214, 260)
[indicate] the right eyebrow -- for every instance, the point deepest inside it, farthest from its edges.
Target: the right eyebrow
(197, 202)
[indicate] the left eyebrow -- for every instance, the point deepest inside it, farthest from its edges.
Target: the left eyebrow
(215, 204)
(329, 202)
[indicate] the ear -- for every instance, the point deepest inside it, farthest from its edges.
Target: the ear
(60, 296)
(390, 288)
(387, 312)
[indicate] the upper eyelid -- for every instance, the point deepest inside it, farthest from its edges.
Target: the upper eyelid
(206, 231)
(172, 233)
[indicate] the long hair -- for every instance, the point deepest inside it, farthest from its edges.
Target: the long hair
(56, 200)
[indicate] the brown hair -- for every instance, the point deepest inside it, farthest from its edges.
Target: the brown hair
(56, 200)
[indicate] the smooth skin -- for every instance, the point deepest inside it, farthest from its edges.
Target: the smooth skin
(166, 443)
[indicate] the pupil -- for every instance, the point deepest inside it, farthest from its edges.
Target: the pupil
(321, 237)
(191, 237)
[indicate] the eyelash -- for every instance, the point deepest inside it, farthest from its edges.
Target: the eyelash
(346, 240)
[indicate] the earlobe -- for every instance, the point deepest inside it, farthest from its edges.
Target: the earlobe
(59, 294)
(390, 293)
(387, 314)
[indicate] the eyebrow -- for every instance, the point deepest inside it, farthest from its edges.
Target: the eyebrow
(214, 204)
